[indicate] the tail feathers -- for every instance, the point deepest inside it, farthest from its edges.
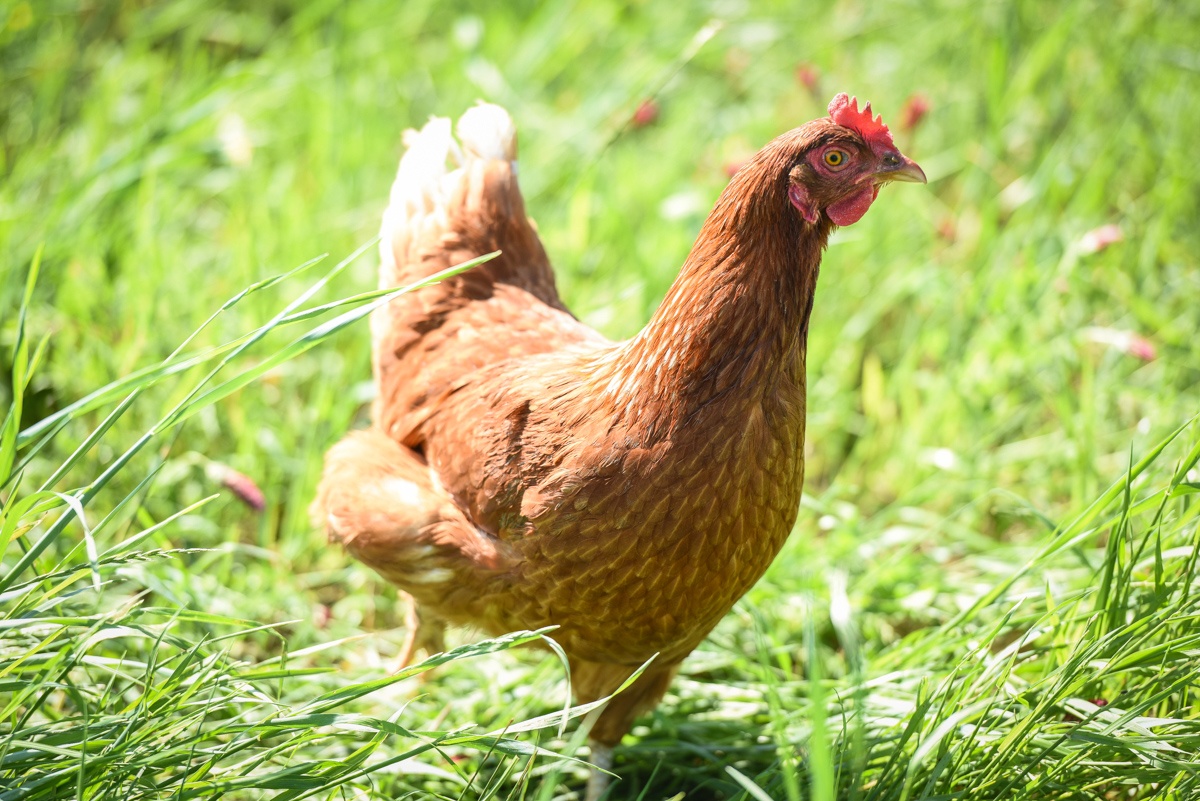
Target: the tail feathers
(487, 132)
(423, 166)
(431, 175)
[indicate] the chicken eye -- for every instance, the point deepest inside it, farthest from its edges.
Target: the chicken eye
(835, 158)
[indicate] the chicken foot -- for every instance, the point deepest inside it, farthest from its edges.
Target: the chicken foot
(423, 633)
(602, 760)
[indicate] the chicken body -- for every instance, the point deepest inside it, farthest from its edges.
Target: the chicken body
(523, 471)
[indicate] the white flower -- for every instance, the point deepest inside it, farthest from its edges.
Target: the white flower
(235, 140)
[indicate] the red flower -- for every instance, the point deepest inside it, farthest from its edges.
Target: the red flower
(915, 109)
(240, 485)
(808, 76)
(733, 165)
(646, 114)
(1128, 342)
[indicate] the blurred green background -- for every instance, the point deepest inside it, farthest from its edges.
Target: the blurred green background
(986, 352)
(168, 154)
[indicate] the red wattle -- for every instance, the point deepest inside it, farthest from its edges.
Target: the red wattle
(851, 210)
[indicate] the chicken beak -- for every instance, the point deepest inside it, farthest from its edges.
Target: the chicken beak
(898, 167)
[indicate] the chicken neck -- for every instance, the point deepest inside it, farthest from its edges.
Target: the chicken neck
(732, 330)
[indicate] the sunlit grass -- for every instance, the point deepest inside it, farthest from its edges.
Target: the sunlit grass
(991, 540)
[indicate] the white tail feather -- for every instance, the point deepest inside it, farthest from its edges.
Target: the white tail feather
(423, 182)
(487, 132)
(422, 166)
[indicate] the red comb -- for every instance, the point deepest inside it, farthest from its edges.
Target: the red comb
(844, 111)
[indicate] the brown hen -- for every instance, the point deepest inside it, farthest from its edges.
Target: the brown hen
(523, 471)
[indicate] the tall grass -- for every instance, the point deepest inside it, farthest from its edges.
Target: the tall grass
(1000, 526)
(108, 693)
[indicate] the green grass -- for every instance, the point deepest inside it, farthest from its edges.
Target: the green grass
(1000, 526)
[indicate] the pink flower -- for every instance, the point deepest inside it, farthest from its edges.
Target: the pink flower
(1142, 348)
(808, 76)
(947, 230)
(1098, 239)
(733, 165)
(646, 113)
(915, 109)
(240, 484)
(1127, 342)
